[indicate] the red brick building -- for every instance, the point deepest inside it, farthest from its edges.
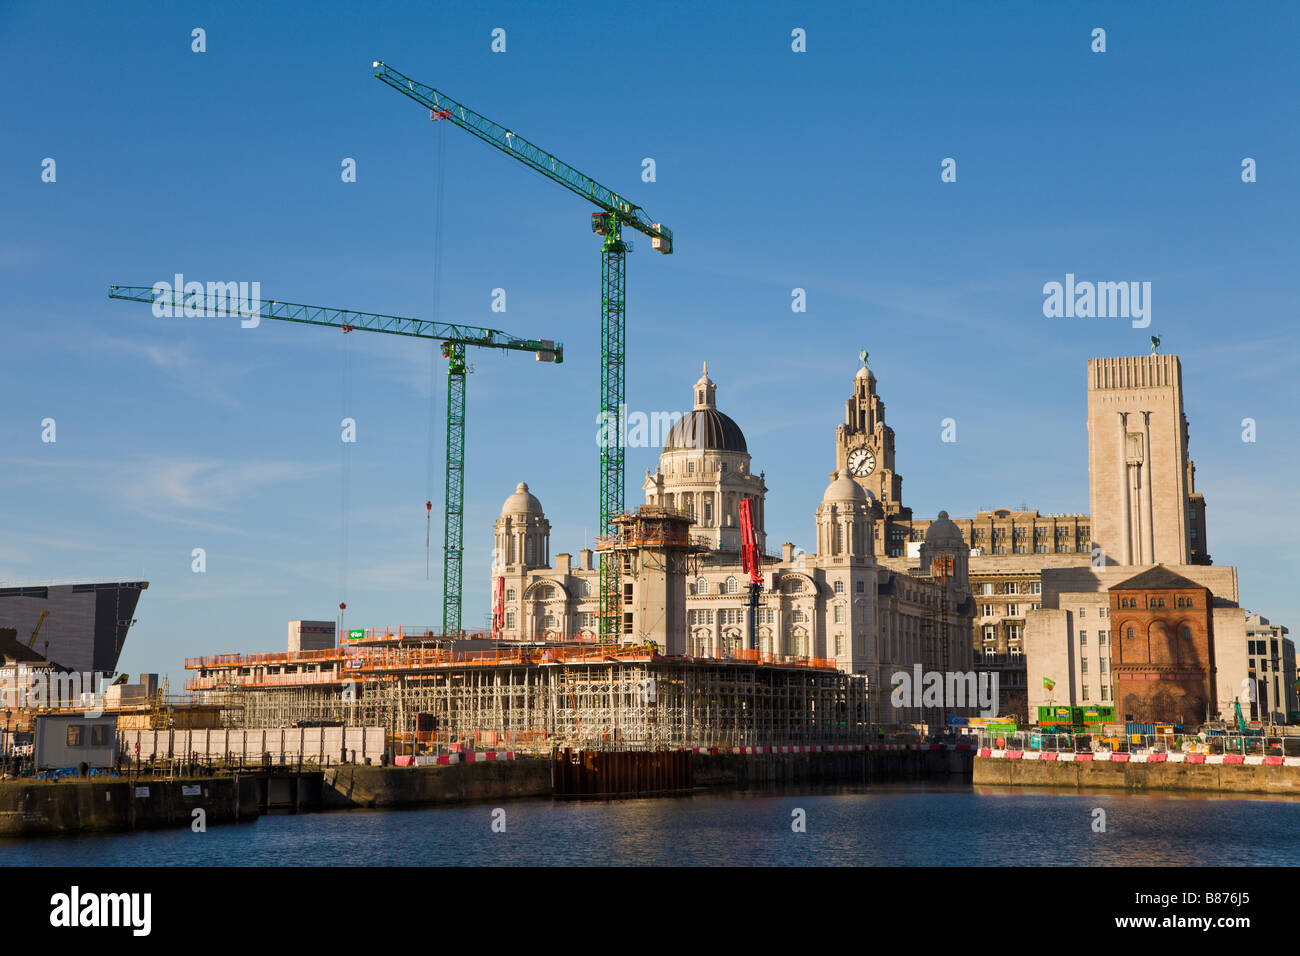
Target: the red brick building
(1163, 648)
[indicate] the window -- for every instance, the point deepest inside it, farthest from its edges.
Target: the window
(510, 620)
(701, 586)
(1036, 587)
(1083, 612)
(584, 589)
(724, 466)
(1103, 612)
(1102, 637)
(1187, 633)
(708, 511)
(1011, 587)
(839, 644)
(796, 586)
(1085, 692)
(1083, 638)
(1083, 666)
(990, 632)
(548, 622)
(1129, 635)
(986, 610)
(1013, 632)
(839, 587)
(76, 735)
(1013, 610)
(1105, 665)
(796, 616)
(860, 587)
(99, 735)
(1105, 692)
(1189, 603)
(510, 594)
(986, 589)
(690, 468)
(731, 586)
(839, 615)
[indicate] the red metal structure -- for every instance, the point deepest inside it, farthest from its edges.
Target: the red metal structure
(751, 561)
(498, 607)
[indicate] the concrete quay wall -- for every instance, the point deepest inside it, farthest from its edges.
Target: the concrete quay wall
(1224, 779)
(354, 785)
(379, 787)
(48, 808)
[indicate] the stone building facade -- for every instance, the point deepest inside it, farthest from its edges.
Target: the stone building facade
(838, 603)
(1142, 492)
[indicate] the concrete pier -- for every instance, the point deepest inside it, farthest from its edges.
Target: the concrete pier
(46, 807)
(1218, 778)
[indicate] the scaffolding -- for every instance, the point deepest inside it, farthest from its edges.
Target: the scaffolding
(531, 704)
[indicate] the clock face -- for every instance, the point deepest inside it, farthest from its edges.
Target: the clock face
(862, 462)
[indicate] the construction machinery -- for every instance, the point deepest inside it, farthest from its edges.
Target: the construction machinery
(455, 340)
(615, 213)
(32, 641)
(751, 562)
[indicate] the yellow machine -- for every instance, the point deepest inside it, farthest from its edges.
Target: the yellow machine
(32, 642)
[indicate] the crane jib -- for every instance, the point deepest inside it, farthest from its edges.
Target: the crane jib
(534, 156)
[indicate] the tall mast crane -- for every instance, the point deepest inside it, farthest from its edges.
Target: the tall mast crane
(615, 213)
(455, 339)
(751, 561)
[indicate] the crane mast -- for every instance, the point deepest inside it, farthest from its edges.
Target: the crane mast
(455, 339)
(616, 213)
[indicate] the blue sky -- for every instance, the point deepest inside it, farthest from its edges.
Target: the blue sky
(775, 170)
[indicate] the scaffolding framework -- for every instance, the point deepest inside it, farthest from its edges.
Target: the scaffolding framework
(530, 706)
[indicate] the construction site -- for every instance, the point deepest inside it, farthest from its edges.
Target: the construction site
(633, 680)
(523, 699)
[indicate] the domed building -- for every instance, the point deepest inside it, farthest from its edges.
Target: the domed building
(704, 471)
(838, 603)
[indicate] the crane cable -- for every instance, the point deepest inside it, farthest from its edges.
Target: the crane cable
(345, 473)
(435, 348)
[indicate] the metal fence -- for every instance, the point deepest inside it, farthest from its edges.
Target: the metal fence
(1244, 745)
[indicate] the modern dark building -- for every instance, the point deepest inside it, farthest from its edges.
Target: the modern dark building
(85, 628)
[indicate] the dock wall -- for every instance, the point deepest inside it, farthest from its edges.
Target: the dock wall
(47, 808)
(1217, 778)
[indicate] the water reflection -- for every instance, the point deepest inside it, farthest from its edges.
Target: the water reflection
(846, 826)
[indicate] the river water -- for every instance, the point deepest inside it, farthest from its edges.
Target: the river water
(937, 825)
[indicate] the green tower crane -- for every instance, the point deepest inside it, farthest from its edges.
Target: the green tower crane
(455, 339)
(615, 213)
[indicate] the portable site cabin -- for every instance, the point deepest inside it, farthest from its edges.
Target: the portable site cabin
(66, 741)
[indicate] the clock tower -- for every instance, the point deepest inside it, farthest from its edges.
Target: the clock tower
(864, 447)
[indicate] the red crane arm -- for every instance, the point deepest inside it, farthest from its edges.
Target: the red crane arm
(750, 559)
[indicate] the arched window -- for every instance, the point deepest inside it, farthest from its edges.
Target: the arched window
(586, 588)
(796, 586)
(731, 586)
(701, 586)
